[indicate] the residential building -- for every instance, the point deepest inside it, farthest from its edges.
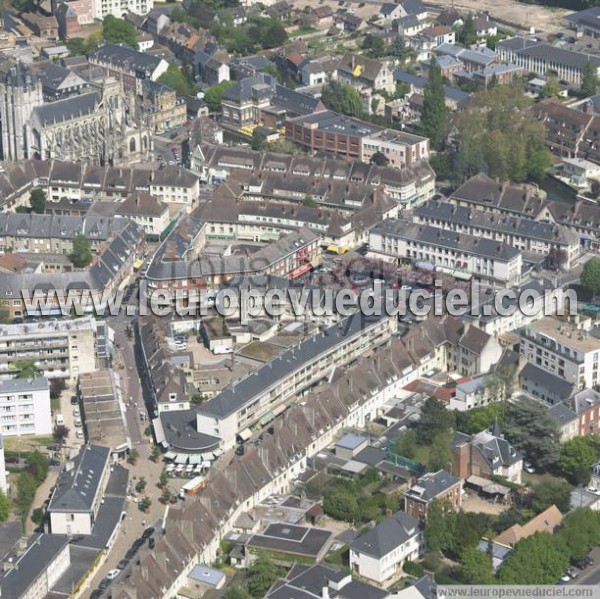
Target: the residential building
(64, 348)
(486, 454)
(580, 172)
(455, 98)
(409, 26)
(548, 521)
(472, 60)
(566, 421)
(79, 492)
(365, 73)
(585, 22)
(380, 553)
(398, 148)
(568, 350)
(117, 8)
(524, 234)
(544, 386)
(162, 106)
(3, 481)
(319, 71)
(434, 36)
(129, 66)
(542, 58)
(25, 407)
(147, 212)
(485, 259)
(32, 574)
(440, 486)
(472, 393)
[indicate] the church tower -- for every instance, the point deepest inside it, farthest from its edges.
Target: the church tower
(20, 93)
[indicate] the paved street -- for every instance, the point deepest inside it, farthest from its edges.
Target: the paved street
(592, 575)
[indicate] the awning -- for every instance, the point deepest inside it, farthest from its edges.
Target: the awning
(268, 417)
(424, 265)
(300, 271)
(181, 458)
(245, 434)
(279, 410)
(170, 455)
(462, 275)
(443, 269)
(159, 432)
(195, 459)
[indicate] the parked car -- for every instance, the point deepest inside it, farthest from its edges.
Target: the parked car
(104, 584)
(79, 434)
(74, 400)
(123, 564)
(148, 533)
(528, 467)
(112, 574)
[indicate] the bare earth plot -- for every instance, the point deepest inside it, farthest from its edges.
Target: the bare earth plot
(545, 20)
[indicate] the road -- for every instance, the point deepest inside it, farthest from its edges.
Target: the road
(592, 575)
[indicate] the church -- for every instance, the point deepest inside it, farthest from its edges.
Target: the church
(100, 126)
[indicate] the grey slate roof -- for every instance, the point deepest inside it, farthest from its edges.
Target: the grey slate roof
(67, 109)
(76, 489)
(432, 485)
(22, 386)
(232, 399)
(126, 58)
(561, 414)
(387, 536)
(457, 95)
(546, 379)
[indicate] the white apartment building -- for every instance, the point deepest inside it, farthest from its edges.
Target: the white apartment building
(566, 349)
(400, 148)
(79, 492)
(117, 8)
(266, 393)
(25, 407)
(59, 348)
(3, 481)
(474, 393)
(487, 260)
(379, 553)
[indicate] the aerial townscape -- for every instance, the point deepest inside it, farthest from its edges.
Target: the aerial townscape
(299, 299)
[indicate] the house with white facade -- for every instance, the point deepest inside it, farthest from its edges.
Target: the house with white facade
(25, 407)
(380, 553)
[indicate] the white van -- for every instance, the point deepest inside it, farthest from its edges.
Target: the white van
(60, 421)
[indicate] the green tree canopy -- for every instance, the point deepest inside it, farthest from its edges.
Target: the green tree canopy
(590, 276)
(551, 491)
(529, 428)
(26, 487)
(589, 79)
(214, 95)
(37, 200)
(237, 593)
(580, 531)
(81, 255)
(468, 34)
(440, 456)
(342, 97)
(577, 456)
(435, 420)
(475, 567)
(37, 465)
(4, 507)
(538, 559)
(261, 575)
(119, 31)
(375, 45)
(498, 134)
(439, 530)
(176, 79)
(434, 116)
(26, 369)
(341, 506)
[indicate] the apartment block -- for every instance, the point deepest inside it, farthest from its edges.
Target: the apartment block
(59, 348)
(486, 259)
(25, 407)
(569, 350)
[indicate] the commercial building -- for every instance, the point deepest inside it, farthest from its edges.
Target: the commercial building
(568, 350)
(79, 491)
(62, 348)
(440, 486)
(380, 553)
(486, 259)
(542, 58)
(25, 407)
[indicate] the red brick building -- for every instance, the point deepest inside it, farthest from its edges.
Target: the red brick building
(434, 486)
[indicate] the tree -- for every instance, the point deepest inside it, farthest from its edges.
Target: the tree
(5, 316)
(590, 276)
(476, 420)
(119, 31)
(440, 456)
(475, 567)
(163, 480)
(37, 465)
(500, 384)
(155, 454)
(468, 33)
(551, 88)
(341, 97)
(589, 79)
(259, 143)
(261, 575)
(577, 456)
(37, 516)
(144, 504)
(434, 115)
(57, 386)
(26, 487)
(375, 45)
(4, 507)
(341, 506)
(214, 95)
(556, 258)
(498, 134)
(405, 444)
(26, 369)
(439, 529)
(529, 428)
(133, 456)
(435, 420)
(580, 531)
(37, 200)
(140, 485)
(176, 79)
(538, 559)
(237, 593)
(551, 491)
(60, 433)
(81, 255)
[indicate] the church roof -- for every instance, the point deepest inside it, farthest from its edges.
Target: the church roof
(65, 110)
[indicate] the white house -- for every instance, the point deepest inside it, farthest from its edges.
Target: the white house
(25, 408)
(380, 552)
(580, 172)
